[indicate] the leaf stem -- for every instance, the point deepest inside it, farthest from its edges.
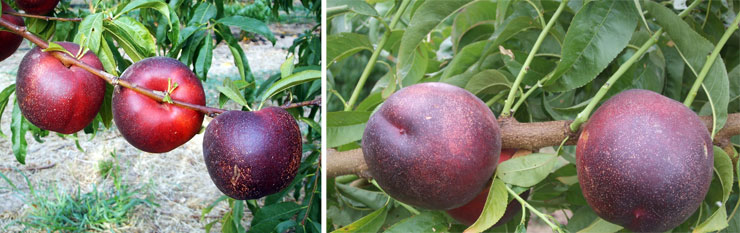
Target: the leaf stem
(583, 115)
(510, 99)
(533, 210)
(710, 61)
(374, 56)
(47, 18)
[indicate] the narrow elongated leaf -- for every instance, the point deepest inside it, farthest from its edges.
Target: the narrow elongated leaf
(4, 99)
(290, 81)
(203, 12)
(494, 208)
(205, 56)
(425, 222)
(157, 5)
(601, 226)
(478, 16)
(723, 169)
(249, 25)
(345, 127)
(90, 32)
(240, 58)
(359, 7)
(463, 60)
(231, 91)
(526, 171)
(598, 32)
(344, 45)
(268, 217)
(286, 69)
(488, 82)
(374, 200)
(695, 49)
(370, 223)
(18, 132)
(429, 14)
(133, 37)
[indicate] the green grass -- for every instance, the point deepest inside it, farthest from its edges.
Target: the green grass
(57, 210)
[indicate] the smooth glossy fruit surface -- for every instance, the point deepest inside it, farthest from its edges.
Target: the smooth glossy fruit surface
(252, 154)
(644, 161)
(37, 7)
(469, 213)
(154, 126)
(55, 97)
(10, 41)
(432, 145)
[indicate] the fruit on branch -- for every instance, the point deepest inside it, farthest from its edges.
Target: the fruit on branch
(432, 145)
(37, 7)
(11, 41)
(151, 125)
(252, 154)
(644, 161)
(55, 97)
(469, 213)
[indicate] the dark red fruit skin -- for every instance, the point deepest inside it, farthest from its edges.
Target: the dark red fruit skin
(56, 98)
(37, 7)
(432, 145)
(252, 154)
(469, 213)
(644, 161)
(154, 126)
(10, 41)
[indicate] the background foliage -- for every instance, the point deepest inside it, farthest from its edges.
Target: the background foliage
(481, 46)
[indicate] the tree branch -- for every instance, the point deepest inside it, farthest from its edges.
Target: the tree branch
(530, 136)
(112, 79)
(317, 101)
(47, 18)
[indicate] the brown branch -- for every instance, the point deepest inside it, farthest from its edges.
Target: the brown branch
(7, 169)
(530, 136)
(47, 18)
(112, 79)
(317, 101)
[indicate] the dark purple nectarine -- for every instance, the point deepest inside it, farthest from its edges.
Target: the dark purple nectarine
(154, 126)
(432, 145)
(37, 7)
(644, 161)
(10, 41)
(252, 154)
(55, 97)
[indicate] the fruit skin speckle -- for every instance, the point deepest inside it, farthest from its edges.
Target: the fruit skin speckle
(252, 154)
(643, 164)
(432, 145)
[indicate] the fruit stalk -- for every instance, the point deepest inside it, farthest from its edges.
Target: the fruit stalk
(531, 136)
(47, 18)
(109, 78)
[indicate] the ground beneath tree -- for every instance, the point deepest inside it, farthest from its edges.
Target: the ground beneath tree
(178, 180)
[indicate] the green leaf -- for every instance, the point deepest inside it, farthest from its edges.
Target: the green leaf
(598, 32)
(474, 22)
(370, 223)
(488, 82)
(90, 32)
(203, 12)
(4, 99)
(359, 7)
(290, 81)
(462, 61)
(717, 221)
(425, 222)
(696, 49)
(231, 91)
(240, 58)
(429, 14)
(268, 217)
(286, 69)
(344, 45)
(723, 169)
(157, 5)
(58, 48)
(601, 226)
(373, 200)
(526, 171)
(18, 132)
(345, 127)
(133, 37)
(249, 25)
(494, 208)
(205, 57)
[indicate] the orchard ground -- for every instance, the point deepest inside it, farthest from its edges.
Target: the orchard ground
(178, 180)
